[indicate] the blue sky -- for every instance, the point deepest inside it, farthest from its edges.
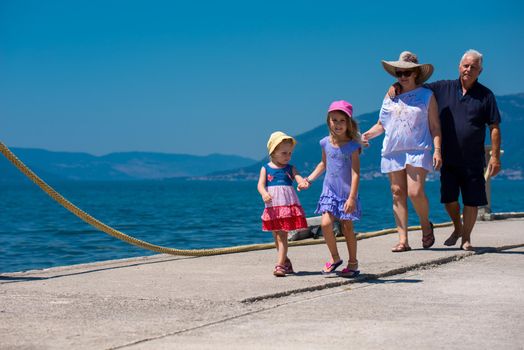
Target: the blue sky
(202, 77)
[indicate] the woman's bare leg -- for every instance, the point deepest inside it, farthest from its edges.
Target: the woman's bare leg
(398, 182)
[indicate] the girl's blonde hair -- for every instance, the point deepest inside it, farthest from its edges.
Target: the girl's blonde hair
(352, 131)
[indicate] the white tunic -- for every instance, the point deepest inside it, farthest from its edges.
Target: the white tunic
(408, 138)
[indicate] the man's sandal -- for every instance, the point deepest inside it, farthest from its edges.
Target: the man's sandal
(401, 247)
(467, 247)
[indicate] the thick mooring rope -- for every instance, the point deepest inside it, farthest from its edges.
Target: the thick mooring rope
(156, 248)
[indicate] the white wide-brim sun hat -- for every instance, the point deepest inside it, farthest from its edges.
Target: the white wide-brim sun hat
(408, 60)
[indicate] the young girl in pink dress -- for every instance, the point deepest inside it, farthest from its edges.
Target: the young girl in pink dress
(283, 212)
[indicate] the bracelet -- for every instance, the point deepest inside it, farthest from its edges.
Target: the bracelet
(308, 180)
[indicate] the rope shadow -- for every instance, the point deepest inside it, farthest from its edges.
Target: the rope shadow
(18, 279)
(448, 249)
(307, 273)
(394, 280)
(494, 250)
(517, 253)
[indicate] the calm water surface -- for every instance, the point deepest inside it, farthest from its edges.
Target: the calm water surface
(36, 232)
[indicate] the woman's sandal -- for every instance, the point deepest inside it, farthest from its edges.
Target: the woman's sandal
(401, 247)
(279, 271)
(452, 240)
(330, 267)
(351, 271)
(429, 239)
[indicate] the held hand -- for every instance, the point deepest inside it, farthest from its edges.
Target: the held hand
(494, 166)
(365, 138)
(304, 185)
(266, 198)
(349, 206)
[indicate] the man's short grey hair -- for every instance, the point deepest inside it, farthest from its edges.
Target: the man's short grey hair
(475, 54)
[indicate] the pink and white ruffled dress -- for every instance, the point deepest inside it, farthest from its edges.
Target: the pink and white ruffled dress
(283, 212)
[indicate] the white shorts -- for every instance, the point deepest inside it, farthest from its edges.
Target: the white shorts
(398, 161)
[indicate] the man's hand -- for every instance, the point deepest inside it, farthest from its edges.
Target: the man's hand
(494, 166)
(394, 90)
(494, 161)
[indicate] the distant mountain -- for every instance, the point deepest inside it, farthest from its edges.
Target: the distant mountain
(116, 166)
(307, 152)
(142, 165)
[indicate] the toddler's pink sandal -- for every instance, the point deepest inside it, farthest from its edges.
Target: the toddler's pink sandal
(279, 271)
(288, 267)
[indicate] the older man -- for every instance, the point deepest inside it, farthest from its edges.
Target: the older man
(465, 108)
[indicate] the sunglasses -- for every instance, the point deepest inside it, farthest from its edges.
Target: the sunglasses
(406, 73)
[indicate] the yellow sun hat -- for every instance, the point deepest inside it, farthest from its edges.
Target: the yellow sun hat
(276, 138)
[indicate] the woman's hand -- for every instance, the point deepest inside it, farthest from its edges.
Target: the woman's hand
(365, 138)
(437, 159)
(349, 206)
(373, 132)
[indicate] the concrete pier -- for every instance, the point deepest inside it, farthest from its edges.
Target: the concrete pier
(424, 299)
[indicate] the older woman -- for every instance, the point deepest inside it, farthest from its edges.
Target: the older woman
(412, 128)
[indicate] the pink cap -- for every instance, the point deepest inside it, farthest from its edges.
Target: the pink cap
(343, 106)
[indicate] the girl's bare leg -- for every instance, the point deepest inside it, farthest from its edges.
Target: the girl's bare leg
(351, 242)
(329, 236)
(282, 246)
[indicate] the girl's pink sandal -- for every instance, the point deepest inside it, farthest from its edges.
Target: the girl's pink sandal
(348, 272)
(331, 267)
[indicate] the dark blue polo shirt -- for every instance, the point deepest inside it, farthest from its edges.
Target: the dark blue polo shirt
(463, 120)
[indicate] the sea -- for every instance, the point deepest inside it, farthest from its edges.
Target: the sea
(37, 233)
